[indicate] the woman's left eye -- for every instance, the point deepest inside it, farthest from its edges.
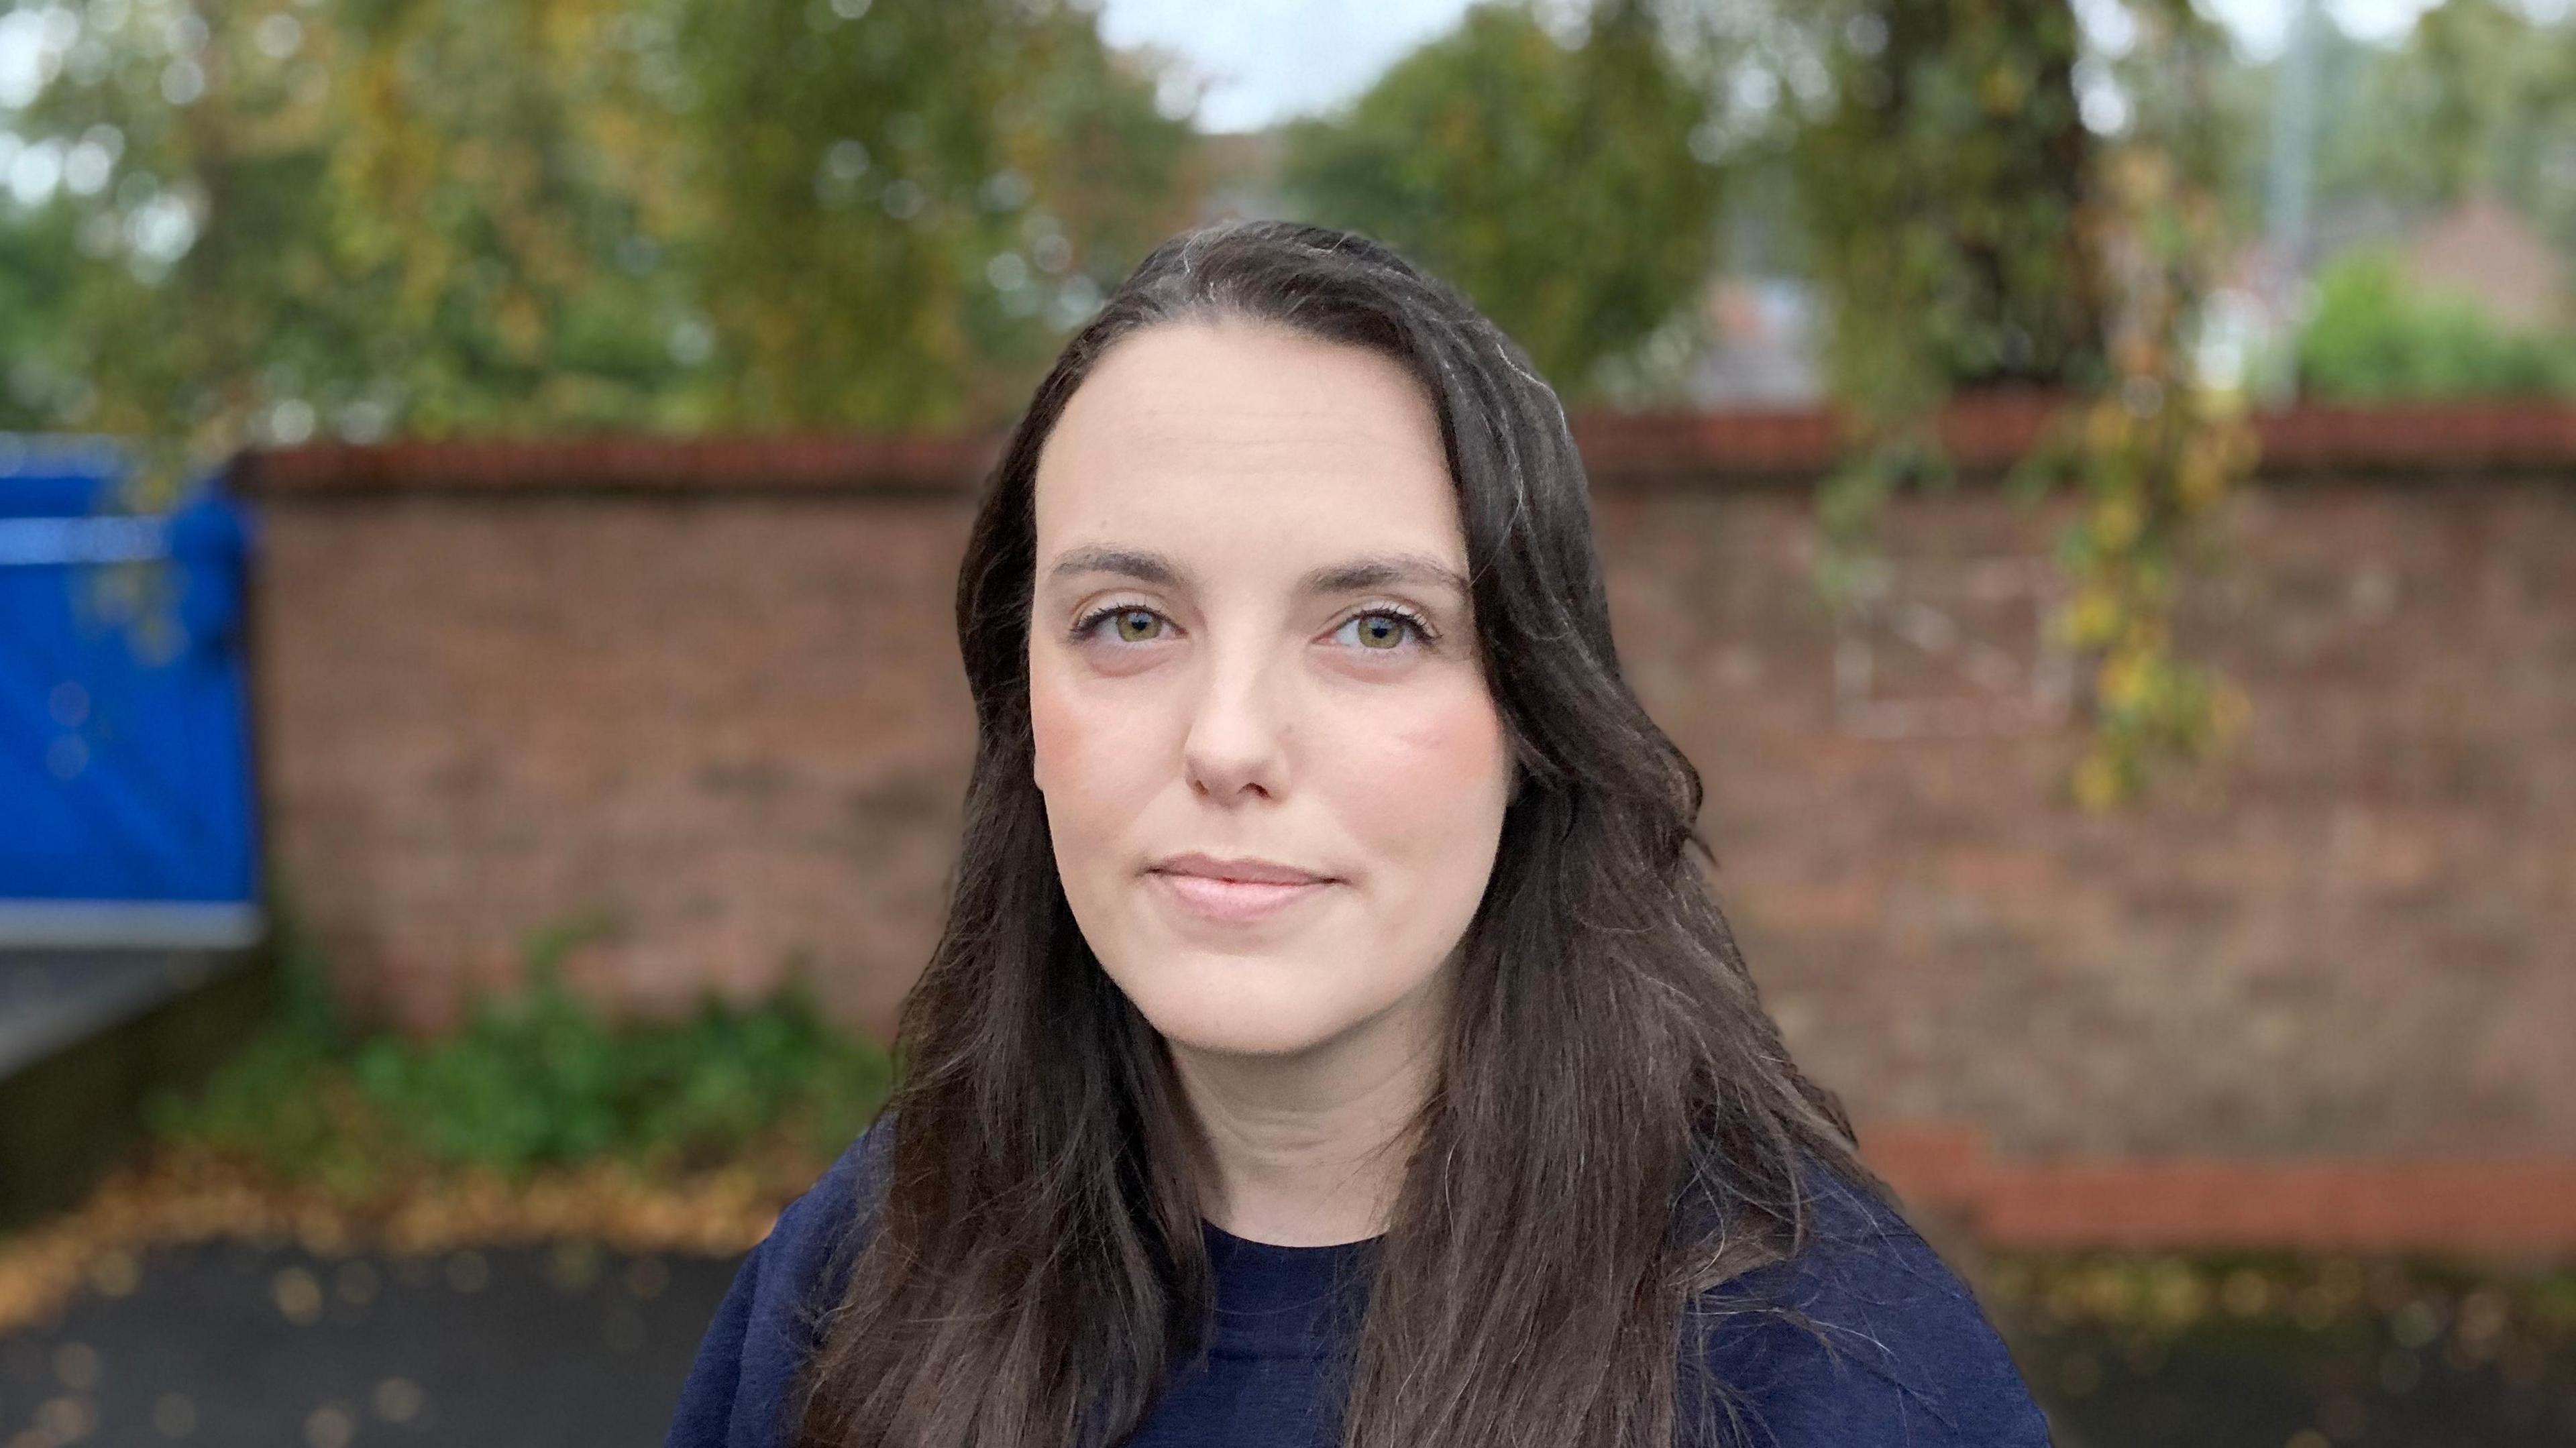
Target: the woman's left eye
(1382, 630)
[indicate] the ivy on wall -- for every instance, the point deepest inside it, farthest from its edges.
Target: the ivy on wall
(1975, 231)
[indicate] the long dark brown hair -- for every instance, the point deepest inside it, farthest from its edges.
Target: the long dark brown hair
(1615, 1125)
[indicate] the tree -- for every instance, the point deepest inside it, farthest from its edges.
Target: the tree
(1554, 182)
(2479, 96)
(357, 216)
(896, 199)
(1945, 192)
(38, 259)
(486, 216)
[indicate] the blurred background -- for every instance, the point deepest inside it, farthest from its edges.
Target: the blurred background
(2088, 482)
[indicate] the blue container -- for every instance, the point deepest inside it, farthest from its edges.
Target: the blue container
(127, 805)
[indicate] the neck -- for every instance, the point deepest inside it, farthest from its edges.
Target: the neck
(1309, 1149)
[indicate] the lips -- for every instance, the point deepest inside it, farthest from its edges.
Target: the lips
(1247, 870)
(1234, 891)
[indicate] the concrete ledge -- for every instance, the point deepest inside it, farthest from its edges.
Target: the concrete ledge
(155, 925)
(87, 1038)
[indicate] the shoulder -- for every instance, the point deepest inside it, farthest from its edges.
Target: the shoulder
(768, 1322)
(1863, 1337)
(807, 1248)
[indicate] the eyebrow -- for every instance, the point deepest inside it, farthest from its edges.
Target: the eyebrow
(1375, 571)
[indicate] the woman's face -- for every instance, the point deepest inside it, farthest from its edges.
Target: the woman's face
(1252, 644)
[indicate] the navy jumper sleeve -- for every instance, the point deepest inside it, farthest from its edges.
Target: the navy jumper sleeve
(1865, 1339)
(736, 1394)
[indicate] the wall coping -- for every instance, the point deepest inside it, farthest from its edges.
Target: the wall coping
(1736, 448)
(619, 463)
(2478, 1205)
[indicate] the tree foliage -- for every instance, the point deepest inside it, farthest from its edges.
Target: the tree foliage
(519, 215)
(1555, 181)
(2479, 96)
(1945, 190)
(38, 260)
(900, 196)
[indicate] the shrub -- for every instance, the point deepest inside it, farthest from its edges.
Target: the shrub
(535, 1078)
(2371, 337)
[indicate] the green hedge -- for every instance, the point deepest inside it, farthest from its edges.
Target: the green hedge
(535, 1078)
(2372, 337)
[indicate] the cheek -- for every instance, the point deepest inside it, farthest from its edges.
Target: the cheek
(1062, 738)
(1051, 731)
(1087, 752)
(1430, 781)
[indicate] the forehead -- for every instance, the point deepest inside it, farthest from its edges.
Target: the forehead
(1249, 421)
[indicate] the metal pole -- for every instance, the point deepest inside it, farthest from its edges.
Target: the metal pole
(2287, 183)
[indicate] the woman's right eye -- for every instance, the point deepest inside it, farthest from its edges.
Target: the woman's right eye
(1127, 623)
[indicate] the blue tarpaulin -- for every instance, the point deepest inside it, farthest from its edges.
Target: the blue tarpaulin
(126, 798)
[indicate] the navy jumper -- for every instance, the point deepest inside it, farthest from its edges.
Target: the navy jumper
(1908, 1358)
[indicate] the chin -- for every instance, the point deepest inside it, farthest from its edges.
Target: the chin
(1234, 1006)
(1240, 1038)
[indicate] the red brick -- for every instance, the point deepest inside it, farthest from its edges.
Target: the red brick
(713, 687)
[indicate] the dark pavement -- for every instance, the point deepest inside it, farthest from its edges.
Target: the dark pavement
(234, 1346)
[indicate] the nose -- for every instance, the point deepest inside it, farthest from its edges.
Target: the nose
(1237, 745)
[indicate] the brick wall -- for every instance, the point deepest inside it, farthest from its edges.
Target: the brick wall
(736, 725)
(713, 690)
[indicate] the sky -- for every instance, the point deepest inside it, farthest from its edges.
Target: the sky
(1265, 60)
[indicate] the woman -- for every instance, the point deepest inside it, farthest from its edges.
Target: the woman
(1333, 1040)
